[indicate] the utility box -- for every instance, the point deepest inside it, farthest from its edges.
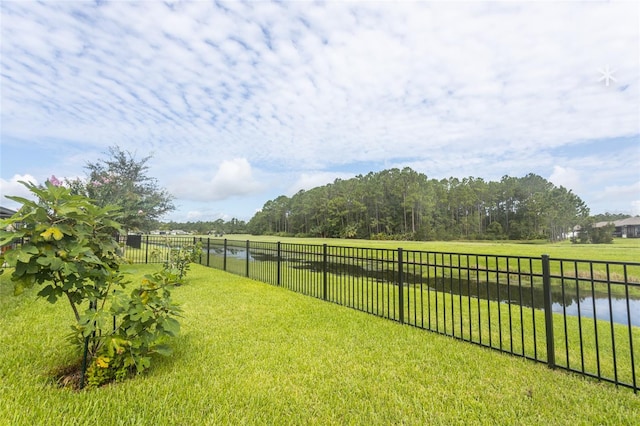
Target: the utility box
(134, 241)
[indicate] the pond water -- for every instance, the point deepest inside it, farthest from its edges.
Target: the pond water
(534, 298)
(233, 253)
(618, 309)
(524, 296)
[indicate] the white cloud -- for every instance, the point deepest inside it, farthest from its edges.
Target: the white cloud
(628, 191)
(463, 88)
(308, 181)
(359, 77)
(611, 196)
(13, 187)
(567, 177)
(233, 178)
(194, 215)
(205, 215)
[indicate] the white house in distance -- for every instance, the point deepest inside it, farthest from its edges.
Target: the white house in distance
(625, 228)
(4, 214)
(172, 232)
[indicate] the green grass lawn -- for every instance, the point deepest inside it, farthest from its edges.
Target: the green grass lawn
(580, 344)
(251, 353)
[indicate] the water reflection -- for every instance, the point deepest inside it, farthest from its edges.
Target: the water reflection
(236, 253)
(618, 309)
(523, 294)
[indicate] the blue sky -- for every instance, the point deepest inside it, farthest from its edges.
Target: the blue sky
(239, 102)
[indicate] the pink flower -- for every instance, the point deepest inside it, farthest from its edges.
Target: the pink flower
(140, 212)
(55, 181)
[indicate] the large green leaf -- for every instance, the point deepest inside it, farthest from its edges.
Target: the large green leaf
(7, 237)
(29, 248)
(21, 269)
(51, 293)
(44, 260)
(164, 350)
(32, 267)
(18, 288)
(171, 326)
(24, 256)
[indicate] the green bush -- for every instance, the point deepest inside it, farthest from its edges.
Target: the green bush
(146, 319)
(595, 235)
(178, 259)
(68, 249)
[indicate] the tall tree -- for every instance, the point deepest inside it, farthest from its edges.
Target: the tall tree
(122, 180)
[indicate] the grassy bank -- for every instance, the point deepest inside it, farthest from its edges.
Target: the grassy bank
(250, 353)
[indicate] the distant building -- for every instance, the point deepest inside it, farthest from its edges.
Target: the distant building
(6, 213)
(625, 228)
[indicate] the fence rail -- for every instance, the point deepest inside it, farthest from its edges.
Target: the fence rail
(577, 315)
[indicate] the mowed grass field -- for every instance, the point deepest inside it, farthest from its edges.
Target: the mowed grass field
(252, 353)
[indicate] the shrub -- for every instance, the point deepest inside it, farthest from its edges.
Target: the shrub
(178, 260)
(593, 235)
(68, 249)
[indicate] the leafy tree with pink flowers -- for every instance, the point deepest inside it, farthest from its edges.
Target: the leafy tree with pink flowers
(122, 180)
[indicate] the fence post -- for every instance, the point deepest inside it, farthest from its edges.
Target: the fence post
(224, 257)
(92, 305)
(401, 285)
(247, 257)
(278, 263)
(324, 271)
(84, 362)
(548, 313)
(146, 251)
(208, 249)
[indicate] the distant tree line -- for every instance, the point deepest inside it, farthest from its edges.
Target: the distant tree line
(608, 217)
(391, 204)
(405, 204)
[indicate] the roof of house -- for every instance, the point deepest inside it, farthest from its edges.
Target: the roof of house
(5, 212)
(630, 221)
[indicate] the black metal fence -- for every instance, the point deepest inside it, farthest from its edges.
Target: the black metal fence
(578, 315)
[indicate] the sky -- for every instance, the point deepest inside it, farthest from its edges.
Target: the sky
(240, 102)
